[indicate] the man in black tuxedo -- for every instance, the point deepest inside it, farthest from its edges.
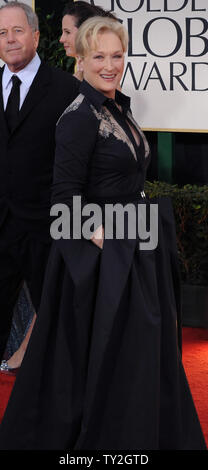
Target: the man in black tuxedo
(33, 96)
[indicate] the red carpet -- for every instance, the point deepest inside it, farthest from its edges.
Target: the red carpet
(6, 384)
(195, 360)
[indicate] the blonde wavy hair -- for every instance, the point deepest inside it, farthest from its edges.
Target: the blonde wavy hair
(94, 26)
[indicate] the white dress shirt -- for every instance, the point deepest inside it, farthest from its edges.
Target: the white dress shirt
(26, 76)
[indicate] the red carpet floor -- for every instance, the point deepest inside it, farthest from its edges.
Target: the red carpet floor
(195, 360)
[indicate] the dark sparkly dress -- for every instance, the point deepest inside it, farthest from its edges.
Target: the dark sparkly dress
(103, 369)
(23, 314)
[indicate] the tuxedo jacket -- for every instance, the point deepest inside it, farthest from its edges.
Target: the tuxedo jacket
(27, 154)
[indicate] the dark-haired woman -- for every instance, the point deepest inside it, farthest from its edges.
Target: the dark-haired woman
(74, 14)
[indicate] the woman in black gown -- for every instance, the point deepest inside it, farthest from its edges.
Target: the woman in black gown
(103, 368)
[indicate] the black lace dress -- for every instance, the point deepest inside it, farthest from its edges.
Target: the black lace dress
(103, 369)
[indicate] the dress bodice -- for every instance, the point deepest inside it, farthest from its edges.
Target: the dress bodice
(110, 161)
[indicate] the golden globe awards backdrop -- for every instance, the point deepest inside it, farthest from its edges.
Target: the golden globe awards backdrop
(166, 70)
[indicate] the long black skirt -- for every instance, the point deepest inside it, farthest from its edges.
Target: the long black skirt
(103, 369)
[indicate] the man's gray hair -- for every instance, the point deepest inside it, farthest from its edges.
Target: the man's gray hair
(30, 14)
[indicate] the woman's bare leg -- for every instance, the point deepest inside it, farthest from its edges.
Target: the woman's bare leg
(16, 359)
